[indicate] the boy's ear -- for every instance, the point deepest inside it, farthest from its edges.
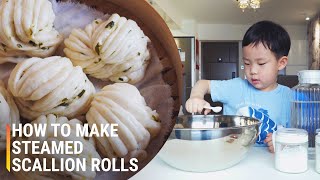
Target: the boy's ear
(282, 62)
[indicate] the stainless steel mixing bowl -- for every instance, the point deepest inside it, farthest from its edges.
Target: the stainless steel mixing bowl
(200, 143)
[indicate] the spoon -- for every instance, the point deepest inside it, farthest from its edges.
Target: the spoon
(214, 109)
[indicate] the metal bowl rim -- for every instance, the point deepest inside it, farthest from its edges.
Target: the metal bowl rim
(216, 129)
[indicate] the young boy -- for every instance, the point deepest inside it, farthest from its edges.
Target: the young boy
(265, 48)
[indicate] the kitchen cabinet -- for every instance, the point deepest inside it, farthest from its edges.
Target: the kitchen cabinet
(220, 71)
(215, 52)
(220, 52)
(219, 60)
(234, 52)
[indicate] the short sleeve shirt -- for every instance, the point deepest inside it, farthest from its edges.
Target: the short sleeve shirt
(237, 93)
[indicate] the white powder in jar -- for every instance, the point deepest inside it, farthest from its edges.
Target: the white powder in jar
(292, 159)
(291, 150)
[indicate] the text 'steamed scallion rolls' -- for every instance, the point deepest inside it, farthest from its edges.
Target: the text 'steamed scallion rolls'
(9, 114)
(122, 104)
(26, 28)
(50, 85)
(115, 49)
(88, 151)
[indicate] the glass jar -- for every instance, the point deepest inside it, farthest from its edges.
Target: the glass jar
(305, 104)
(291, 150)
(318, 150)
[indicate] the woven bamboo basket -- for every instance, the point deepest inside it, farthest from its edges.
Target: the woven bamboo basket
(163, 48)
(162, 40)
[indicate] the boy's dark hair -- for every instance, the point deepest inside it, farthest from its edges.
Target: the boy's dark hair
(273, 36)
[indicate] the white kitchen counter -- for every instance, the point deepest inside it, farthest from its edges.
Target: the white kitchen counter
(258, 165)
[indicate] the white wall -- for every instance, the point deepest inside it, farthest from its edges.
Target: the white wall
(221, 32)
(187, 28)
(298, 55)
(171, 10)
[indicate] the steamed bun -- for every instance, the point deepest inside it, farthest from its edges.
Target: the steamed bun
(122, 104)
(89, 151)
(115, 49)
(26, 28)
(9, 114)
(50, 85)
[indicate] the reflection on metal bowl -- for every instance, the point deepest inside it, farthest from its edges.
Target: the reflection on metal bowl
(201, 143)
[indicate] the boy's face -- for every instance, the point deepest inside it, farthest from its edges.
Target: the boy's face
(261, 66)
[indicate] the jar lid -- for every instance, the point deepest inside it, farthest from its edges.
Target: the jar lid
(291, 135)
(309, 76)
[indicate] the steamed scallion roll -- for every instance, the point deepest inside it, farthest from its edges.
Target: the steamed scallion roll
(27, 30)
(50, 85)
(9, 114)
(122, 104)
(115, 49)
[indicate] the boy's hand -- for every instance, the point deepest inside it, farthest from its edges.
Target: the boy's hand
(269, 143)
(196, 101)
(195, 104)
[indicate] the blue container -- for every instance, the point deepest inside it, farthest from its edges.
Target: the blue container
(305, 104)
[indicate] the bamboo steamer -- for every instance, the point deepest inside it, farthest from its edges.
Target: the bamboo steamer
(166, 50)
(156, 29)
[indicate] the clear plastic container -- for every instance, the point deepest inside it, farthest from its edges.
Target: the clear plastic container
(291, 150)
(317, 150)
(305, 105)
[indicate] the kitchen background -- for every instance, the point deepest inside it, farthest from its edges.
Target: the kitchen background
(208, 34)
